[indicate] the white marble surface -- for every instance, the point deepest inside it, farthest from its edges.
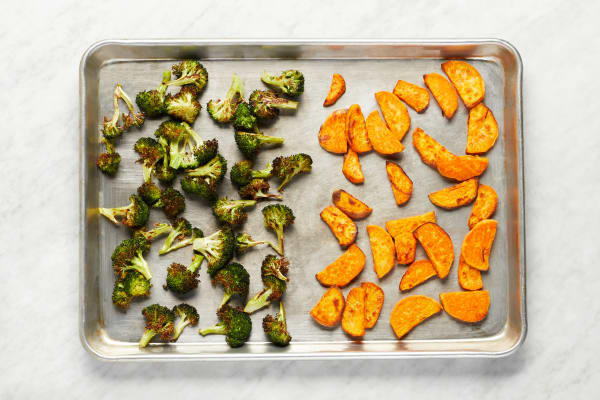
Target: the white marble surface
(41, 44)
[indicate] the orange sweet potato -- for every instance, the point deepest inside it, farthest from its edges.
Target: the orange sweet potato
(381, 138)
(415, 96)
(461, 168)
(351, 167)
(336, 90)
(410, 312)
(409, 224)
(467, 81)
(428, 148)
(484, 206)
(353, 317)
(417, 273)
(402, 186)
(343, 228)
(328, 311)
(466, 306)
(437, 245)
(350, 205)
(332, 135)
(406, 247)
(469, 278)
(443, 93)
(455, 196)
(482, 130)
(383, 250)
(356, 129)
(343, 270)
(478, 243)
(373, 303)
(394, 112)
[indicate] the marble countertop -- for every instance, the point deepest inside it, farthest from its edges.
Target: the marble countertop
(40, 53)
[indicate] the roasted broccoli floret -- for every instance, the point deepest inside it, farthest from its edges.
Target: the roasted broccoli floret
(159, 321)
(190, 73)
(163, 171)
(133, 215)
(172, 202)
(243, 242)
(182, 279)
(183, 106)
(204, 180)
(154, 233)
(133, 118)
(235, 324)
(250, 143)
(290, 82)
(108, 162)
(111, 128)
(244, 120)
(265, 104)
(195, 185)
(151, 152)
(276, 328)
(258, 189)
(129, 256)
(133, 285)
(149, 192)
(231, 212)
(188, 315)
(242, 173)
(181, 229)
(218, 249)
(277, 217)
(223, 110)
(235, 280)
(274, 276)
(286, 168)
(152, 102)
(186, 148)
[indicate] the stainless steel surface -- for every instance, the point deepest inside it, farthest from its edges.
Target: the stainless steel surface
(367, 67)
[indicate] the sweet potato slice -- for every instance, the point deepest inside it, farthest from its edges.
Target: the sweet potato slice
(381, 138)
(383, 250)
(356, 129)
(411, 311)
(484, 206)
(466, 306)
(402, 186)
(467, 81)
(343, 270)
(373, 303)
(461, 168)
(428, 148)
(328, 311)
(397, 226)
(437, 245)
(336, 90)
(343, 228)
(417, 273)
(443, 93)
(406, 247)
(351, 167)
(415, 96)
(332, 135)
(353, 317)
(478, 243)
(350, 205)
(455, 196)
(469, 278)
(482, 130)
(394, 112)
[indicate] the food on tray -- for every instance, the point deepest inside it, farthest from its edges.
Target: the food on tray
(484, 206)
(467, 81)
(336, 90)
(182, 231)
(381, 138)
(151, 152)
(466, 306)
(133, 215)
(278, 217)
(258, 189)
(186, 147)
(402, 232)
(244, 242)
(242, 173)
(332, 135)
(343, 270)
(108, 162)
(401, 184)
(186, 315)
(328, 311)
(443, 93)
(438, 246)
(273, 273)
(171, 201)
(406, 247)
(218, 249)
(374, 298)
(266, 104)
(276, 327)
(383, 250)
(415, 96)
(428, 148)
(132, 286)
(356, 130)
(342, 227)
(183, 106)
(478, 243)
(455, 196)
(235, 324)
(244, 119)
(353, 317)
(418, 272)
(290, 82)
(286, 168)
(231, 212)
(350, 205)
(205, 180)
(482, 130)
(351, 167)
(250, 144)
(159, 321)
(129, 256)
(410, 312)
(394, 112)
(235, 281)
(222, 110)
(182, 279)
(469, 278)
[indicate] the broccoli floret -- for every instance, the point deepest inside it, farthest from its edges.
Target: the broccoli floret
(183, 106)
(108, 162)
(163, 171)
(277, 217)
(196, 185)
(191, 74)
(111, 128)
(231, 212)
(129, 256)
(235, 280)
(265, 104)
(218, 249)
(159, 321)
(120, 297)
(285, 168)
(188, 315)
(276, 328)
(182, 279)
(158, 230)
(204, 180)
(133, 118)
(257, 189)
(290, 82)
(152, 102)
(125, 290)
(181, 229)
(242, 173)
(274, 276)
(186, 148)
(172, 202)
(244, 120)
(149, 192)
(133, 215)
(250, 143)
(235, 324)
(223, 110)
(244, 241)
(151, 152)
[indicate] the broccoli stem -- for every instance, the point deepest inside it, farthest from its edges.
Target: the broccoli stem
(281, 250)
(226, 298)
(121, 94)
(218, 329)
(286, 105)
(140, 265)
(179, 327)
(260, 300)
(270, 139)
(146, 337)
(112, 213)
(196, 263)
(160, 230)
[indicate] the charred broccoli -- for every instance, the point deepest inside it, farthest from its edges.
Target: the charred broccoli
(108, 162)
(242, 173)
(276, 328)
(158, 230)
(203, 180)
(257, 189)
(111, 128)
(172, 202)
(265, 104)
(223, 110)
(250, 143)
(152, 102)
(231, 212)
(286, 168)
(183, 106)
(186, 148)
(188, 315)
(149, 192)
(290, 82)
(190, 73)
(163, 171)
(274, 276)
(133, 118)
(244, 120)
(235, 324)
(150, 152)
(133, 215)
(277, 217)
(235, 280)
(182, 279)
(159, 321)
(218, 249)
(129, 256)
(133, 285)
(181, 229)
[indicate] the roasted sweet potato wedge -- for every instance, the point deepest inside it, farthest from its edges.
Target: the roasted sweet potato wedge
(482, 130)
(484, 206)
(408, 224)
(353, 317)
(343, 228)
(428, 148)
(455, 196)
(443, 93)
(478, 243)
(406, 247)
(381, 138)
(383, 250)
(336, 90)
(402, 186)
(417, 273)
(461, 168)
(332, 135)
(350, 205)
(415, 96)
(467, 81)
(356, 129)
(394, 112)
(410, 312)
(343, 270)
(469, 278)
(328, 311)
(437, 245)
(466, 306)
(351, 168)
(373, 303)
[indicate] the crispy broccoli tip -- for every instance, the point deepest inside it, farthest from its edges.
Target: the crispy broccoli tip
(233, 323)
(183, 106)
(290, 82)
(133, 215)
(189, 73)
(159, 321)
(277, 217)
(197, 186)
(265, 104)
(217, 248)
(108, 163)
(243, 242)
(132, 286)
(211, 172)
(235, 281)
(151, 152)
(231, 212)
(275, 266)
(250, 144)
(152, 102)
(187, 315)
(185, 234)
(182, 280)
(243, 119)
(172, 202)
(223, 110)
(158, 230)
(128, 256)
(286, 168)
(276, 328)
(149, 192)
(242, 173)
(258, 189)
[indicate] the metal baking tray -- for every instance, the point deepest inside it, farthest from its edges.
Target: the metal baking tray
(367, 66)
